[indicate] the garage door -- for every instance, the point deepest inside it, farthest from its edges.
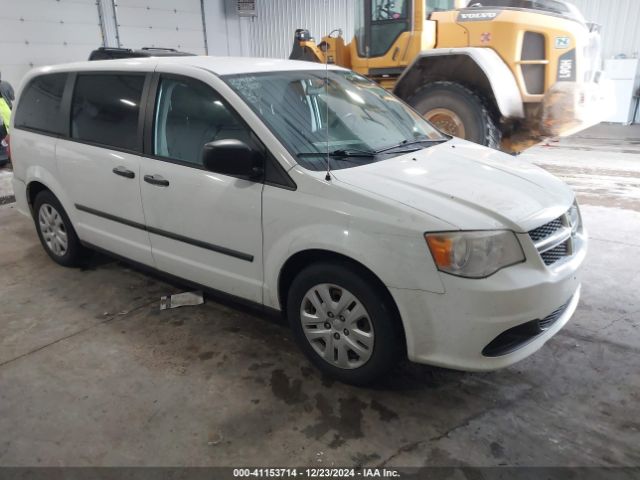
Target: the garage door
(161, 23)
(44, 32)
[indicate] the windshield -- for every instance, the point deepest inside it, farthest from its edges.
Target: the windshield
(363, 118)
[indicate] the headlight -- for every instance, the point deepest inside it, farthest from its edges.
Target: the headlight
(474, 254)
(575, 219)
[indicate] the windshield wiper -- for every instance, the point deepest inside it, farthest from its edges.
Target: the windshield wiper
(356, 153)
(341, 153)
(409, 143)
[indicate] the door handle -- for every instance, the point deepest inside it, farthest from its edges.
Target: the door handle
(156, 180)
(124, 172)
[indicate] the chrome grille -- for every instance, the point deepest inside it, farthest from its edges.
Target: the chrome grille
(547, 322)
(544, 231)
(555, 240)
(555, 254)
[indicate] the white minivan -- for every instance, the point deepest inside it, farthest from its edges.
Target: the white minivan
(309, 191)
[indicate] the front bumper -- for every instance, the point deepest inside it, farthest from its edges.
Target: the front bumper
(570, 107)
(454, 328)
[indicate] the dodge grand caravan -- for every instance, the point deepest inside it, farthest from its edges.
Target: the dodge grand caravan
(315, 193)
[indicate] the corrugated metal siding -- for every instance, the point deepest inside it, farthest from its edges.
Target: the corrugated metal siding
(619, 20)
(273, 27)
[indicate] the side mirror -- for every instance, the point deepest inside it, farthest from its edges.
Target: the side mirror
(233, 158)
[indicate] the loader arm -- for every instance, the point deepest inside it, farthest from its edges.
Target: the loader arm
(305, 48)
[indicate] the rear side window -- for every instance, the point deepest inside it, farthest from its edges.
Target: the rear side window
(40, 105)
(105, 110)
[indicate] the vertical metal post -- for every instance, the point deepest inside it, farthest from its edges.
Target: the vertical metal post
(204, 28)
(108, 22)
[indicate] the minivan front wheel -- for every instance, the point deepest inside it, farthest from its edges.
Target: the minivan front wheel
(337, 326)
(343, 323)
(55, 231)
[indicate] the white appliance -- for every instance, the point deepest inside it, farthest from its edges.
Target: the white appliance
(625, 76)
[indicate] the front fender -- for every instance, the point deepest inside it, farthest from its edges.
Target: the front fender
(380, 235)
(500, 79)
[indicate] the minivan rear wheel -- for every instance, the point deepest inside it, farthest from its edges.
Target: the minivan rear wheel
(55, 230)
(343, 323)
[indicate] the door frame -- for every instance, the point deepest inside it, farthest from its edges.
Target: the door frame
(66, 105)
(235, 104)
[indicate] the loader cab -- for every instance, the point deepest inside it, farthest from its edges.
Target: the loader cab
(442, 5)
(380, 24)
(390, 33)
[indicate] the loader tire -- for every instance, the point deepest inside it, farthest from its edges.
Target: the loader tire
(457, 111)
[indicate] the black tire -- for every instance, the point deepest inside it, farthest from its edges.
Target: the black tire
(72, 256)
(480, 126)
(388, 343)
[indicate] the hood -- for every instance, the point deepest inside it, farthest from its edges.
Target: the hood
(466, 185)
(558, 8)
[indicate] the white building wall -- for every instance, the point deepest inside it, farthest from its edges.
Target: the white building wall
(34, 33)
(161, 23)
(227, 33)
(217, 30)
(620, 21)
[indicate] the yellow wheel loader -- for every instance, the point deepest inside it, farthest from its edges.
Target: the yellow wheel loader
(501, 73)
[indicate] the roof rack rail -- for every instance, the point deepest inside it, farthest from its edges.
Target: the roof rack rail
(113, 53)
(114, 49)
(159, 48)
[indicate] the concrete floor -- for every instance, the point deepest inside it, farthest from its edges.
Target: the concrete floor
(92, 373)
(6, 189)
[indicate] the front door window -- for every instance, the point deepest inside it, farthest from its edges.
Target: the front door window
(190, 114)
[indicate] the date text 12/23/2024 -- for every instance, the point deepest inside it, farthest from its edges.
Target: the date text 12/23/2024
(303, 473)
